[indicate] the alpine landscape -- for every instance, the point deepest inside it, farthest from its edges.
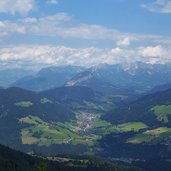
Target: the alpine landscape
(85, 86)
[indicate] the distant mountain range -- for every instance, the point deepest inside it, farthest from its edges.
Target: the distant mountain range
(119, 78)
(123, 78)
(97, 82)
(48, 78)
(9, 76)
(162, 87)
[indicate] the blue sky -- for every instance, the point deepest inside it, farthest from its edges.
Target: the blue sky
(125, 15)
(84, 32)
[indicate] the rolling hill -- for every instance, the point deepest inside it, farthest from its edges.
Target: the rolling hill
(144, 146)
(82, 98)
(153, 109)
(21, 110)
(37, 122)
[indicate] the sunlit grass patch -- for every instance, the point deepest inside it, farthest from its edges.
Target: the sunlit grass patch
(131, 126)
(161, 112)
(24, 104)
(151, 136)
(45, 101)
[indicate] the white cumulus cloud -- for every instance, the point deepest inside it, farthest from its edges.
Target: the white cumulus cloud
(62, 26)
(155, 54)
(160, 6)
(124, 42)
(153, 51)
(16, 6)
(7, 28)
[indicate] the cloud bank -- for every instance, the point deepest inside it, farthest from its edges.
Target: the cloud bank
(45, 55)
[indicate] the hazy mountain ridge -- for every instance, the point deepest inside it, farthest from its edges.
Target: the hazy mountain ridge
(48, 78)
(9, 76)
(126, 78)
(131, 77)
(162, 87)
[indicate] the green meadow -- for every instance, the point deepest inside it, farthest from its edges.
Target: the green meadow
(162, 112)
(24, 104)
(86, 130)
(151, 136)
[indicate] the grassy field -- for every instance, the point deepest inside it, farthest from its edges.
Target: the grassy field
(45, 101)
(24, 104)
(86, 130)
(131, 126)
(43, 133)
(151, 136)
(161, 112)
(101, 123)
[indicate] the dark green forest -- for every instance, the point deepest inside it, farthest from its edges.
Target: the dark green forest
(12, 160)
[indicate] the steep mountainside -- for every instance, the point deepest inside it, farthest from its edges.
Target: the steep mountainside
(153, 109)
(123, 78)
(48, 78)
(99, 78)
(162, 87)
(11, 160)
(21, 109)
(150, 144)
(81, 97)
